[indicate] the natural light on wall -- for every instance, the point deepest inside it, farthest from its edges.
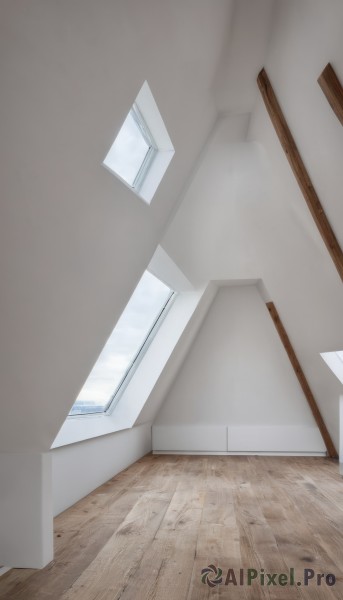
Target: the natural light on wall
(125, 346)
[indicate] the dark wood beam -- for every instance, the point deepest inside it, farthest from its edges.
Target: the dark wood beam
(299, 170)
(333, 90)
(302, 380)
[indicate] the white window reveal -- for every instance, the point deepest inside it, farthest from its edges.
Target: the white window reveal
(125, 347)
(142, 150)
(334, 360)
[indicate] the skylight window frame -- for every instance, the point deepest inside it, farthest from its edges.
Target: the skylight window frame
(147, 179)
(151, 152)
(112, 403)
(109, 407)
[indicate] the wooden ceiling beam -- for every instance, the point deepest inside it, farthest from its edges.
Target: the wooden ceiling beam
(302, 380)
(333, 90)
(299, 170)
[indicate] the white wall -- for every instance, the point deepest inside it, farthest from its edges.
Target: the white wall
(79, 468)
(244, 56)
(237, 374)
(74, 240)
(26, 534)
(297, 269)
(243, 216)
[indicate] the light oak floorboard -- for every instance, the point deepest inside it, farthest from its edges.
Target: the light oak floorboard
(148, 532)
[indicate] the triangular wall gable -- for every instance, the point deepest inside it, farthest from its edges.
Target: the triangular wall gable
(236, 391)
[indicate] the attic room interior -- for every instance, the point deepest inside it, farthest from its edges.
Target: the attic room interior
(171, 299)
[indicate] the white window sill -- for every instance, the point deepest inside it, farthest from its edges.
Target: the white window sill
(84, 427)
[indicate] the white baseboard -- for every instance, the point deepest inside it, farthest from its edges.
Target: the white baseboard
(296, 440)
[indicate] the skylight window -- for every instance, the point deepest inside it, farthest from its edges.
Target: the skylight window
(142, 150)
(125, 346)
(133, 150)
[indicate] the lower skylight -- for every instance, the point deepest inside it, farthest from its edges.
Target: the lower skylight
(125, 347)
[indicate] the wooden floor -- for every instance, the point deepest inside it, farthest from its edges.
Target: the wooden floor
(149, 532)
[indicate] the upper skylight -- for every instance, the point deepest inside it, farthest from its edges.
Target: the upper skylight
(142, 150)
(125, 346)
(132, 151)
